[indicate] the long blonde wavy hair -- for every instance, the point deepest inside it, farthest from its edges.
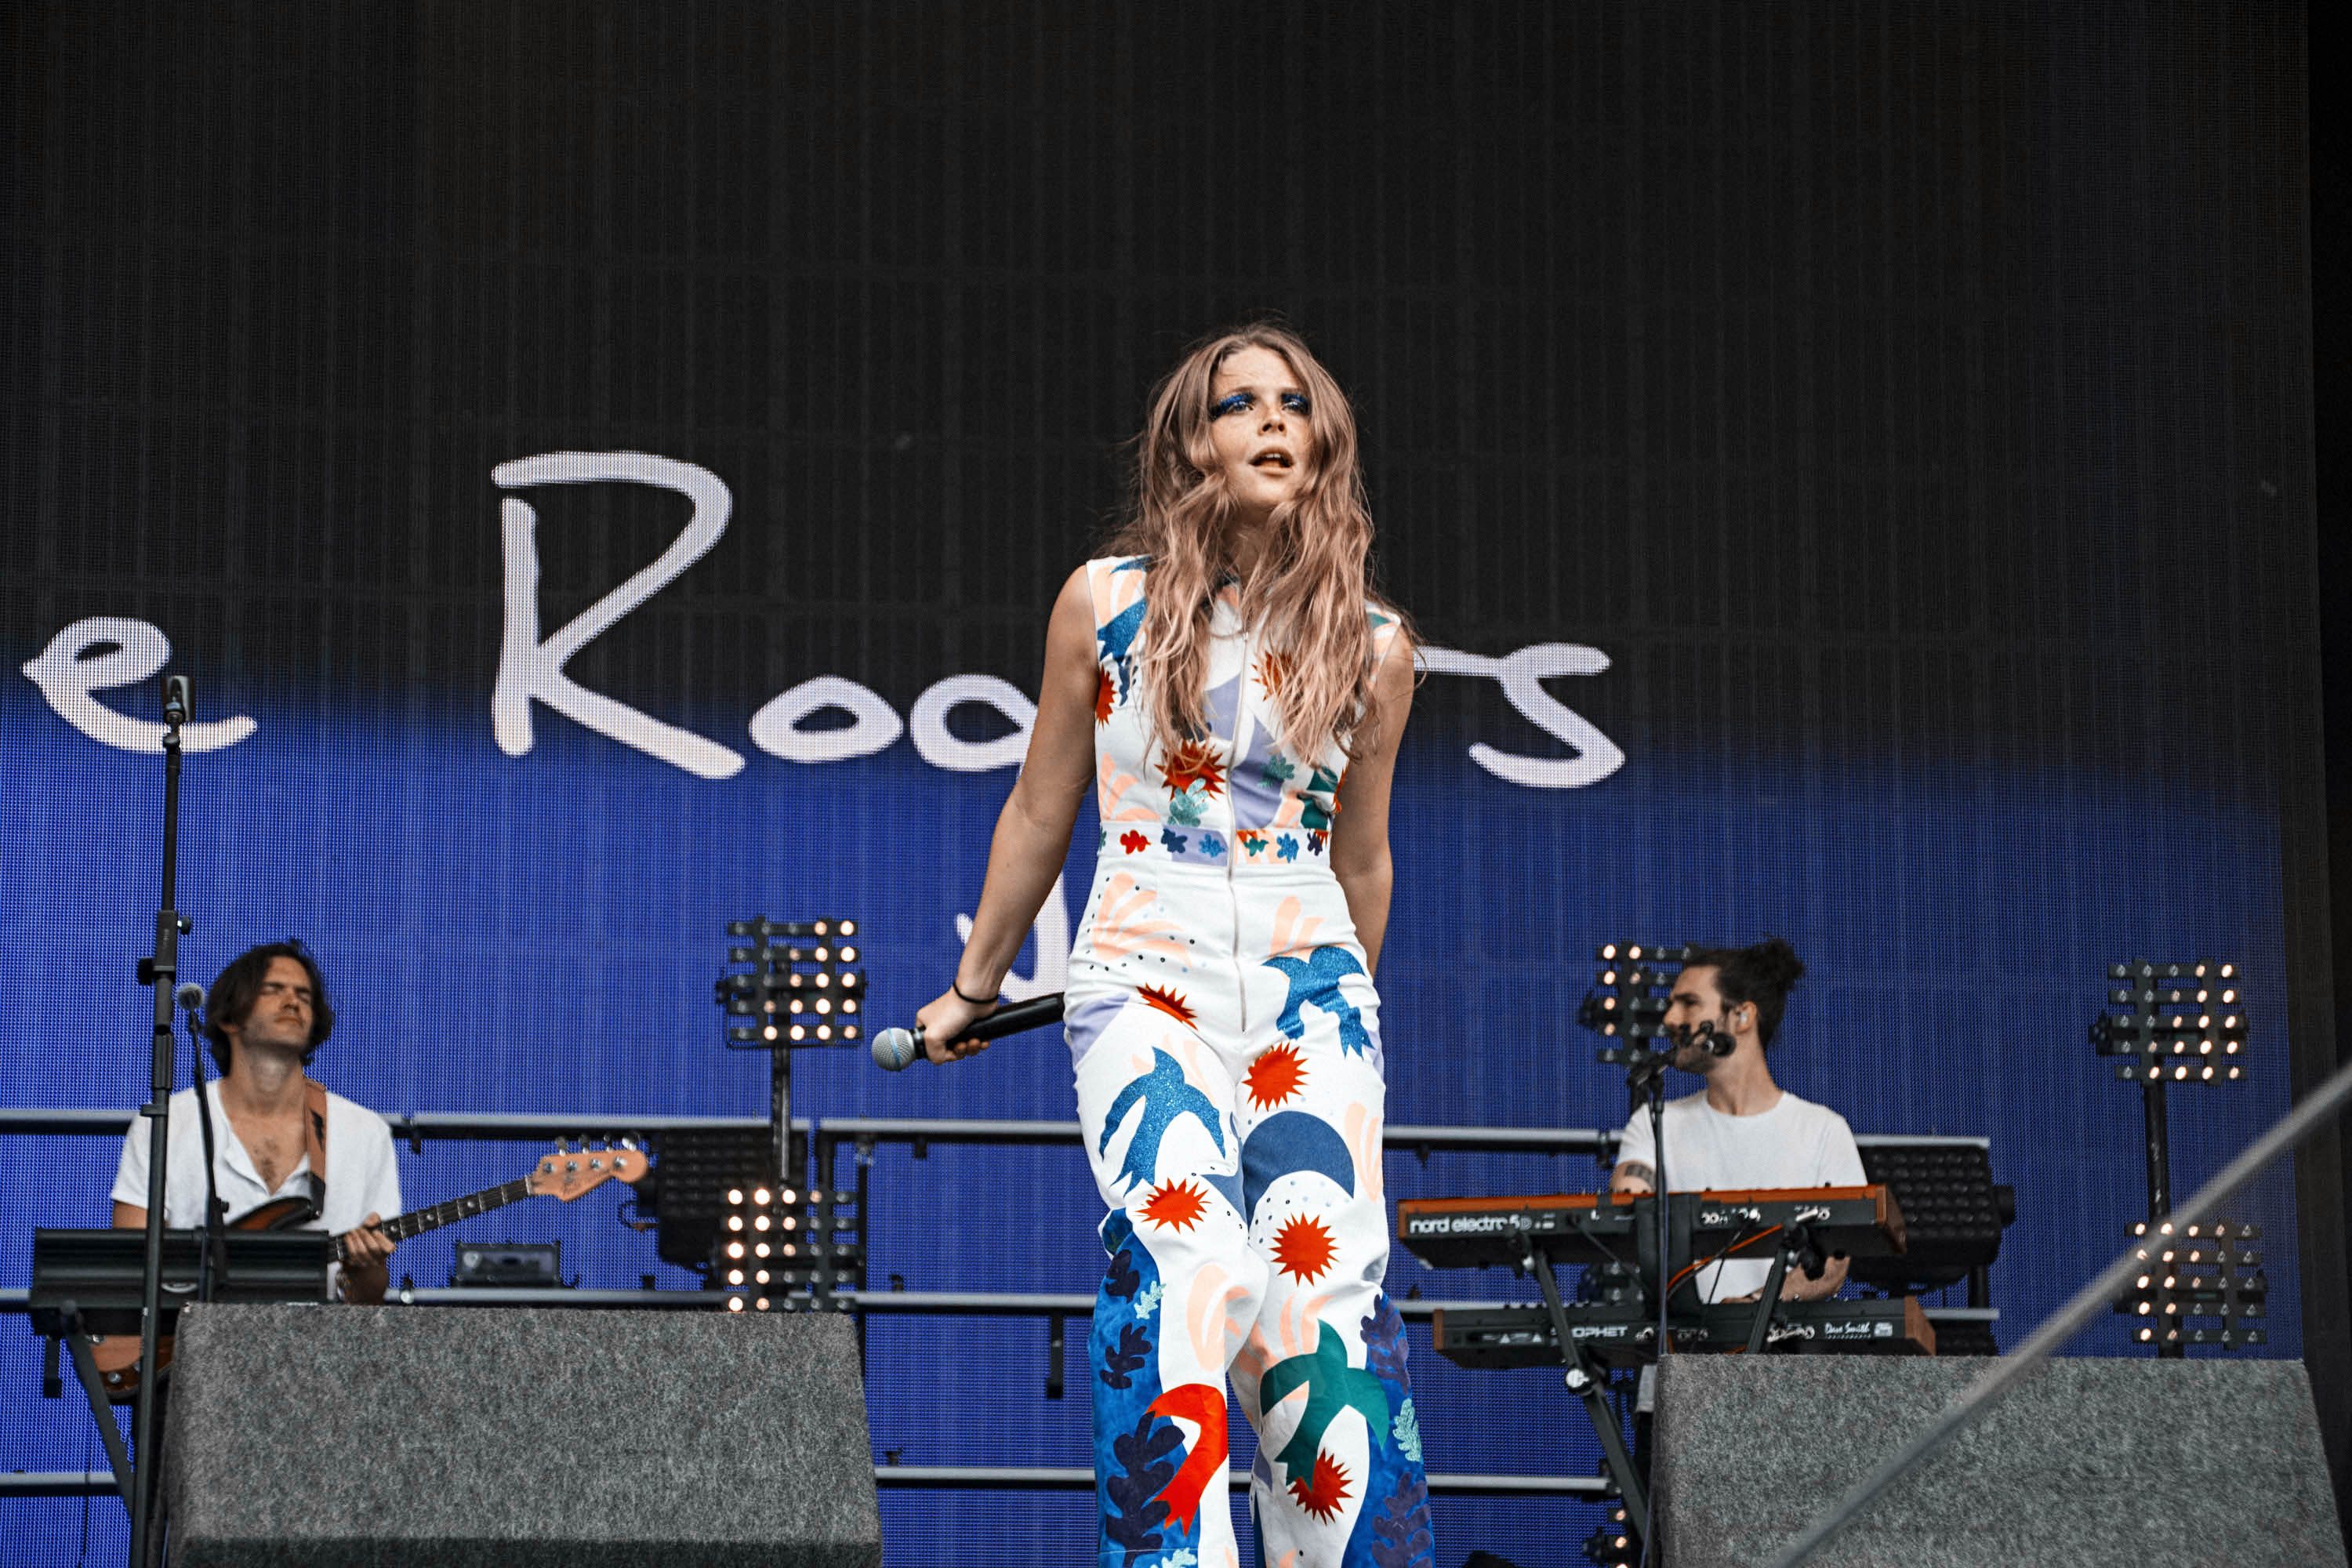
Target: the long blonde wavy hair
(1306, 595)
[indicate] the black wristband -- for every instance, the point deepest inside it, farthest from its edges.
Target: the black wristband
(975, 1001)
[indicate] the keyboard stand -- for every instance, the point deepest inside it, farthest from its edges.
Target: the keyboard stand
(1589, 1382)
(76, 1342)
(1796, 1246)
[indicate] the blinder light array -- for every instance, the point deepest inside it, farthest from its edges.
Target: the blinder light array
(2200, 1271)
(1614, 1542)
(1628, 998)
(2181, 1023)
(803, 987)
(782, 1250)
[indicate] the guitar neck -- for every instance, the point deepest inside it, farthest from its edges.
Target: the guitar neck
(399, 1228)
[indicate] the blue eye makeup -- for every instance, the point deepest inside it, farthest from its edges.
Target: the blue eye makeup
(1241, 402)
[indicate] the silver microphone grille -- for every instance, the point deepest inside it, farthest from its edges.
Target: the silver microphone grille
(894, 1049)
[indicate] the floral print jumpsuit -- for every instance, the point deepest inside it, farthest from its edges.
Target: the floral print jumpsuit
(1227, 1048)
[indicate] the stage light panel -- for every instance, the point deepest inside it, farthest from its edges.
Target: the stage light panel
(2197, 1272)
(787, 983)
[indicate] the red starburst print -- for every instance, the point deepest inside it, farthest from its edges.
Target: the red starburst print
(1275, 1076)
(1169, 1002)
(1178, 1204)
(1303, 1249)
(1134, 843)
(1195, 760)
(1271, 670)
(1102, 696)
(1323, 1493)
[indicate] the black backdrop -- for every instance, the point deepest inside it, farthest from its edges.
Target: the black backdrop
(1912, 405)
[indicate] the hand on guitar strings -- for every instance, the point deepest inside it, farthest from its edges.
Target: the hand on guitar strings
(367, 1261)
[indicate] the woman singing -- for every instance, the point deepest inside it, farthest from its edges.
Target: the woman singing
(1234, 690)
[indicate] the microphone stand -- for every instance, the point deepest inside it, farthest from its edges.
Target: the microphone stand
(1645, 1075)
(159, 971)
(212, 1245)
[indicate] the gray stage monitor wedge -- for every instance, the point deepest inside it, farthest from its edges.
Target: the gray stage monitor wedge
(343, 1436)
(2137, 1464)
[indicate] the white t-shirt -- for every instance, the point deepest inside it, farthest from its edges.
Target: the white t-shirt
(1795, 1144)
(362, 1176)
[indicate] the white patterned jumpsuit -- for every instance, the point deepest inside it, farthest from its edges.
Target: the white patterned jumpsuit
(1227, 1047)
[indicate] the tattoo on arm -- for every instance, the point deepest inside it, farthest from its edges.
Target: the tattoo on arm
(1634, 1171)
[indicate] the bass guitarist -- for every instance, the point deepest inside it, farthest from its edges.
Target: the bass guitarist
(276, 1133)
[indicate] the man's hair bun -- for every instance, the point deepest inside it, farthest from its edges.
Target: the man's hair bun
(1775, 963)
(1761, 973)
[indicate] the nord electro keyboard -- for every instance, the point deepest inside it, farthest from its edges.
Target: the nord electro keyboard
(1602, 1227)
(1620, 1333)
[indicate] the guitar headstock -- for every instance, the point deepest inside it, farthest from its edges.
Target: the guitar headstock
(567, 1173)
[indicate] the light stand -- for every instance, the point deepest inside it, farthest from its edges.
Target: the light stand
(804, 994)
(781, 1232)
(2182, 1023)
(159, 971)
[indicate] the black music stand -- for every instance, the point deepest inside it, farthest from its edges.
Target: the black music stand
(90, 1282)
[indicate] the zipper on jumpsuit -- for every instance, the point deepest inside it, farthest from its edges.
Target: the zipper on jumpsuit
(1233, 824)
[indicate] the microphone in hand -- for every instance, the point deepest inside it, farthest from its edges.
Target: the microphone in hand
(894, 1050)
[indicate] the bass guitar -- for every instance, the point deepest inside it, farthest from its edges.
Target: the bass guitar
(563, 1175)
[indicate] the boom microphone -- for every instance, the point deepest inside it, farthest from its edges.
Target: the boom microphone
(190, 996)
(1703, 1032)
(895, 1049)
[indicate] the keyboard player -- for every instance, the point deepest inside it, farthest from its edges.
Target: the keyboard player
(1742, 1131)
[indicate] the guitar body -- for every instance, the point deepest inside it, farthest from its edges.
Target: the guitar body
(116, 1355)
(278, 1214)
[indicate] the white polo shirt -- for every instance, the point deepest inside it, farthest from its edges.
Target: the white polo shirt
(362, 1176)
